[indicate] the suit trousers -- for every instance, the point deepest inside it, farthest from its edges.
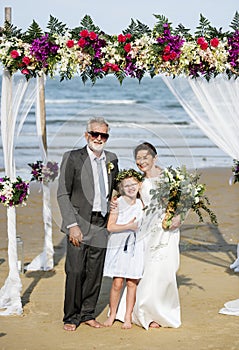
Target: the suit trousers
(84, 271)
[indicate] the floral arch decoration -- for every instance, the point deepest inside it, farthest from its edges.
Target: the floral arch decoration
(89, 52)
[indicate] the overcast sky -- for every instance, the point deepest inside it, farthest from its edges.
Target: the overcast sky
(115, 16)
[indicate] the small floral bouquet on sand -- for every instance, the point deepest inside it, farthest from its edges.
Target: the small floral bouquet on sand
(235, 172)
(44, 172)
(13, 193)
(177, 192)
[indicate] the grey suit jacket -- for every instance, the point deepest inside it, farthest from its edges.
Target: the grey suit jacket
(75, 193)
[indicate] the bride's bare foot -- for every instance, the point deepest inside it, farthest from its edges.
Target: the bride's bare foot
(109, 322)
(154, 325)
(127, 325)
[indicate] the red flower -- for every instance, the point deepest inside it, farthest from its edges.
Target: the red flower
(173, 55)
(204, 45)
(14, 54)
(121, 38)
(214, 42)
(166, 49)
(200, 40)
(128, 36)
(70, 43)
(25, 71)
(166, 57)
(84, 33)
(115, 67)
(127, 47)
(82, 42)
(92, 35)
(26, 60)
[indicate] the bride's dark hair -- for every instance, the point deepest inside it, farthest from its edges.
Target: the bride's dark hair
(145, 146)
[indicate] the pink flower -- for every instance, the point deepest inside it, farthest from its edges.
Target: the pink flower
(127, 47)
(14, 54)
(25, 71)
(70, 43)
(92, 35)
(84, 33)
(82, 42)
(214, 42)
(121, 38)
(200, 40)
(204, 45)
(26, 60)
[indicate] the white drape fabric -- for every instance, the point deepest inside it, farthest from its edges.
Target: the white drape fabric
(17, 98)
(214, 107)
(44, 261)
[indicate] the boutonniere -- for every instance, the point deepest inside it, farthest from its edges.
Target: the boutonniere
(110, 166)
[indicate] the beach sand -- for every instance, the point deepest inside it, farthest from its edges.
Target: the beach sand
(205, 283)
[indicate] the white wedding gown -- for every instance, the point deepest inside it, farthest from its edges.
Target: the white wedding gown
(157, 296)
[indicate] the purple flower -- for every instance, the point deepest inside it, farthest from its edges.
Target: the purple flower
(233, 42)
(42, 49)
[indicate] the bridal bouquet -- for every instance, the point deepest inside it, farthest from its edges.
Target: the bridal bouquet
(177, 192)
(13, 193)
(44, 172)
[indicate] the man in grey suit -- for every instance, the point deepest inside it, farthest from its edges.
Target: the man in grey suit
(85, 187)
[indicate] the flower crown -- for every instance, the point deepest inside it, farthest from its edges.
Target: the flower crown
(126, 173)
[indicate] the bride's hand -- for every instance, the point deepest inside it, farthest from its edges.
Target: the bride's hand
(176, 222)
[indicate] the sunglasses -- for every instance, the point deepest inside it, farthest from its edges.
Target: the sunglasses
(96, 134)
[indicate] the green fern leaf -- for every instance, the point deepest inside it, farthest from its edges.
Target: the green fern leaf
(55, 26)
(235, 22)
(33, 32)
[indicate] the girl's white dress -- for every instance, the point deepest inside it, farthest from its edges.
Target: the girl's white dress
(157, 296)
(125, 250)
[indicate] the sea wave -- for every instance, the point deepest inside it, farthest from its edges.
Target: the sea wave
(108, 102)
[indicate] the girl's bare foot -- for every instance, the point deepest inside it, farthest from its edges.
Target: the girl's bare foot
(127, 325)
(154, 325)
(109, 322)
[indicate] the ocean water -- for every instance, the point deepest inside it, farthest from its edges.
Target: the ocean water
(136, 112)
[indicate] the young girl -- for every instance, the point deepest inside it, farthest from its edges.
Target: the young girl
(124, 256)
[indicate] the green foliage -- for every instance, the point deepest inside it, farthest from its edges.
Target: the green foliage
(182, 31)
(87, 23)
(235, 22)
(137, 29)
(55, 26)
(161, 20)
(9, 30)
(33, 32)
(203, 28)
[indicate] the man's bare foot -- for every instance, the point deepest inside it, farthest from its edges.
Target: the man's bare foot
(109, 322)
(127, 325)
(154, 325)
(93, 323)
(69, 327)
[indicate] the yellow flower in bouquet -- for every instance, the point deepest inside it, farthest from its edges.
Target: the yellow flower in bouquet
(177, 192)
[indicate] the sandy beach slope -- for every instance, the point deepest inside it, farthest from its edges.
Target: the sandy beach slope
(204, 278)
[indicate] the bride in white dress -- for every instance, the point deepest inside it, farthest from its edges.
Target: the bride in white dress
(157, 300)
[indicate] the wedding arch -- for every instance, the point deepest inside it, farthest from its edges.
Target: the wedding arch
(205, 60)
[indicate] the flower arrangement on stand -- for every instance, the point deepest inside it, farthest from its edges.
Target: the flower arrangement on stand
(44, 172)
(177, 192)
(235, 172)
(13, 192)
